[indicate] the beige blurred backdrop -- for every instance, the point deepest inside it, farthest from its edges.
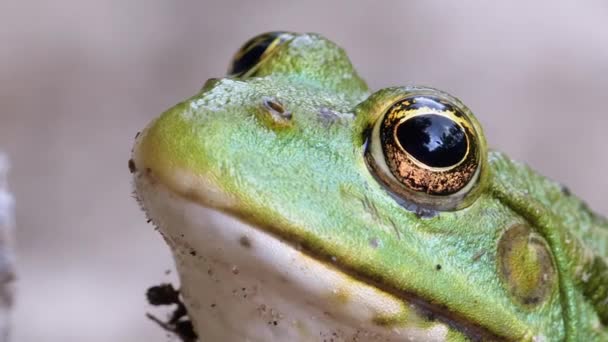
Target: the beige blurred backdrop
(79, 78)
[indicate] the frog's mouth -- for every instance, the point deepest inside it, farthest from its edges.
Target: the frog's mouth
(239, 279)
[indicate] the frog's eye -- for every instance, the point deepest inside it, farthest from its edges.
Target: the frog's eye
(256, 50)
(427, 149)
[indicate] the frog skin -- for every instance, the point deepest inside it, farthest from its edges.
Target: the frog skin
(301, 206)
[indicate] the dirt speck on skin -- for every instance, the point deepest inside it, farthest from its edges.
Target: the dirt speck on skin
(178, 323)
(132, 167)
(245, 242)
(478, 255)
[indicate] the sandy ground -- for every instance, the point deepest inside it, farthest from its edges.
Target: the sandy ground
(78, 79)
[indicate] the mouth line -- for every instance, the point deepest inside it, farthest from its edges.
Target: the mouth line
(424, 307)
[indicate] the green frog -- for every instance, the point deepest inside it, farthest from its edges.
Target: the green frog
(302, 206)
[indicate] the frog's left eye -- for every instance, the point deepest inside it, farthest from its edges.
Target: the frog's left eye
(427, 148)
(256, 50)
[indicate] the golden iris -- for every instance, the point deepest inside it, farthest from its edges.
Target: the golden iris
(425, 148)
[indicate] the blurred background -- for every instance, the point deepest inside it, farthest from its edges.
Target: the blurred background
(78, 79)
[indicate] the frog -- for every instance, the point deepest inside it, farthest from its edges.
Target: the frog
(299, 205)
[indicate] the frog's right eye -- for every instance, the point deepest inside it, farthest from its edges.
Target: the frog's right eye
(428, 149)
(255, 50)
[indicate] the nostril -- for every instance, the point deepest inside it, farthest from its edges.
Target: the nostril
(276, 108)
(274, 113)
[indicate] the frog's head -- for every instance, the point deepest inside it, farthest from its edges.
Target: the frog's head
(300, 206)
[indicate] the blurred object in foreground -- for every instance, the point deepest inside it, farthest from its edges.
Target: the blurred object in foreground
(7, 258)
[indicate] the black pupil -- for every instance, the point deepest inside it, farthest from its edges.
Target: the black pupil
(433, 139)
(254, 49)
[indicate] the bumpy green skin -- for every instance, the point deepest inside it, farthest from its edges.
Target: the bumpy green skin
(307, 181)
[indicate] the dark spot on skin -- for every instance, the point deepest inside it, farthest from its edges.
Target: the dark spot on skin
(438, 267)
(565, 190)
(193, 252)
(327, 114)
(213, 305)
(423, 213)
(374, 243)
(531, 300)
(132, 167)
(245, 242)
(478, 255)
